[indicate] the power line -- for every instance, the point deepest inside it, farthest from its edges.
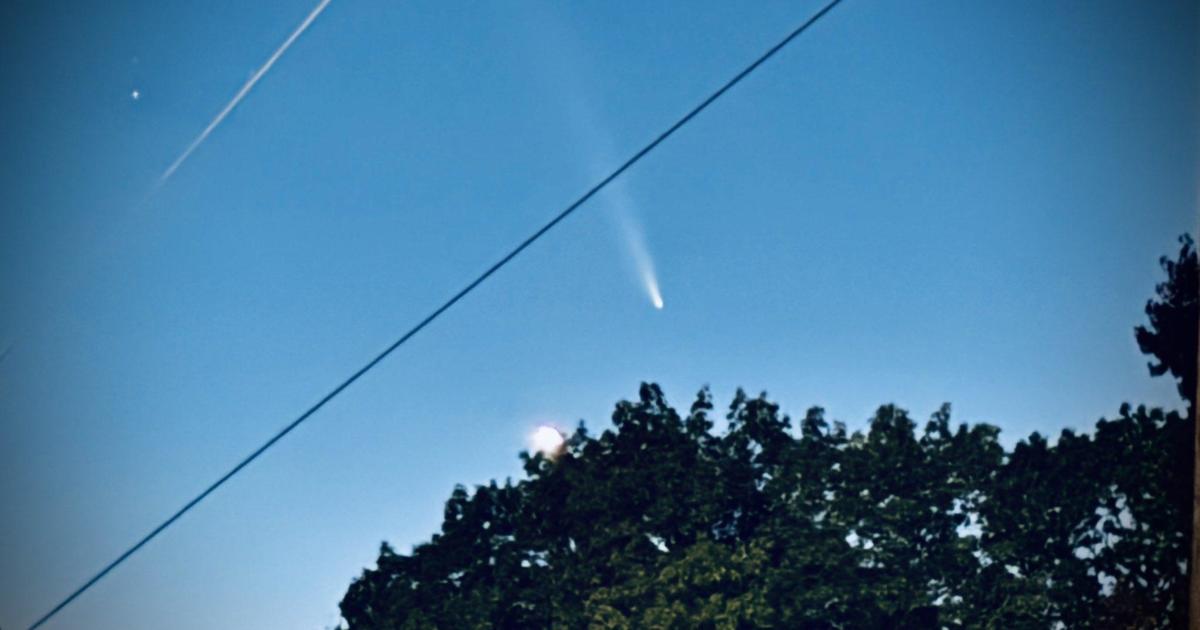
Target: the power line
(443, 308)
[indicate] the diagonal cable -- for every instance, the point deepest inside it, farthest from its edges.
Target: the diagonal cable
(443, 308)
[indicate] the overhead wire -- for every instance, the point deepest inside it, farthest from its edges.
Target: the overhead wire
(442, 309)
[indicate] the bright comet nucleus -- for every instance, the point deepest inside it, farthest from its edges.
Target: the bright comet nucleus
(635, 244)
(546, 440)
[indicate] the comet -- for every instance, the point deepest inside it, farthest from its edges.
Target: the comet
(633, 237)
(563, 71)
(635, 242)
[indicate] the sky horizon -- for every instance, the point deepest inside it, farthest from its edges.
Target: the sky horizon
(911, 204)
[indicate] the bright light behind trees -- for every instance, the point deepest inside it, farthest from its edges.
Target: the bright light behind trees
(546, 440)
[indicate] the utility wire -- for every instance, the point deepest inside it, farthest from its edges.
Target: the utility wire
(443, 308)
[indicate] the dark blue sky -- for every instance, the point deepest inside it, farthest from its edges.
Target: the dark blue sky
(914, 203)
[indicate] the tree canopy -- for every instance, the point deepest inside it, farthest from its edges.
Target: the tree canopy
(662, 521)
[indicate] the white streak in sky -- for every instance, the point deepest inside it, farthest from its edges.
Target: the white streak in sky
(634, 239)
(623, 212)
(562, 72)
(242, 92)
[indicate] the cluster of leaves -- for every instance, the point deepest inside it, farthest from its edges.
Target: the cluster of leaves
(664, 522)
(659, 523)
(1172, 336)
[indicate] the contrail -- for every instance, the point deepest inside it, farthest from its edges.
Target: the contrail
(242, 92)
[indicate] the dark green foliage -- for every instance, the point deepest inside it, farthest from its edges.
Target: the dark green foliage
(662, 523)
(1148, 458)
(659, 523)
(1171, 338)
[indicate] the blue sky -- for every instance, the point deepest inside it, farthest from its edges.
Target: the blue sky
(914, 203)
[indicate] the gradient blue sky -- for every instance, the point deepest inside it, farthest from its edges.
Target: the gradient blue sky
(917, 202)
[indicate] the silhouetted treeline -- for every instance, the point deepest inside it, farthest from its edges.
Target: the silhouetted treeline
(662, 522)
